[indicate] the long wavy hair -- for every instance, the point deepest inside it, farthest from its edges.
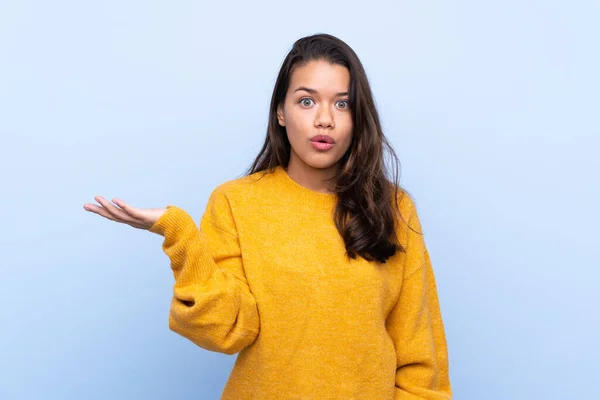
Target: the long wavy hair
(367, 206)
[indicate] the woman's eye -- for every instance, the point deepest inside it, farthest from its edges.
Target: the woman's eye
(343, 104)
(306, 102)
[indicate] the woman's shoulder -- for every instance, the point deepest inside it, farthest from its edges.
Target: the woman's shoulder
(404, 201)
(233, 196)
(407, 210)
(244, 186)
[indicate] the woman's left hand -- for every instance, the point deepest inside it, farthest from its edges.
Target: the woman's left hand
(124, 213)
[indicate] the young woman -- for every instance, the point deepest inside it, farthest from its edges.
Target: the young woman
(312, 266)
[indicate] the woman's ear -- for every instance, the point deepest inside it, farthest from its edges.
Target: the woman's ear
(280, 118)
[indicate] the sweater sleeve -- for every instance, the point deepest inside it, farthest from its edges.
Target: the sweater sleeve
(212, 304)
(416, 327)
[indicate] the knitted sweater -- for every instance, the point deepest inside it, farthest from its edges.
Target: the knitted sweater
(266, 275)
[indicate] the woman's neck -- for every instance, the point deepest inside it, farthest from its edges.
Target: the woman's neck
(315, 179)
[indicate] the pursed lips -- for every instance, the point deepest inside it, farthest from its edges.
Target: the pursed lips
(322, 139)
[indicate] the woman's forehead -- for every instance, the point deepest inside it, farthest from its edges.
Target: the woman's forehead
(321, 77)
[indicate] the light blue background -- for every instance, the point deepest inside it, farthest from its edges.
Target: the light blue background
(493, 108)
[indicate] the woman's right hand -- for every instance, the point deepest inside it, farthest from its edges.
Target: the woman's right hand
(124, 213)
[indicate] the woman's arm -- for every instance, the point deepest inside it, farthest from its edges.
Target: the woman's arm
(415, 324)
(212, 304)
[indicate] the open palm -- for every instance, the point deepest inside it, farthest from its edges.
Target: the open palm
(124, 213)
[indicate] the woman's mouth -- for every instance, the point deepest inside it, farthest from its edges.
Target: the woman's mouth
(322, 142)
(322, 145)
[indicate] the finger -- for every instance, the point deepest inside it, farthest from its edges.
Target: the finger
(129, 210)
(117, 213)
(136, 214)
(100, 211)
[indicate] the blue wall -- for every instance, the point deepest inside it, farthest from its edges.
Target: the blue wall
(492, 107)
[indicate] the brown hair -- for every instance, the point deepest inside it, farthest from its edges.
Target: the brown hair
(367, 201)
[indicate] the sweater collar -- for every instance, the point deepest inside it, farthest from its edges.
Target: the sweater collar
(302, 193)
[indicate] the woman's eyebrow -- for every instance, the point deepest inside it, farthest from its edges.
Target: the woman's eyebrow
(313, 91)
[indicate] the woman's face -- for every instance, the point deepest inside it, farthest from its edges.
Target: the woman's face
(317, 103)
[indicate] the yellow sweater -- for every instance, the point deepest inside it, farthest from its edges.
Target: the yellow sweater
(266, 275)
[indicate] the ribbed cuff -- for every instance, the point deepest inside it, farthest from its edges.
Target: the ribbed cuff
(174, 220)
